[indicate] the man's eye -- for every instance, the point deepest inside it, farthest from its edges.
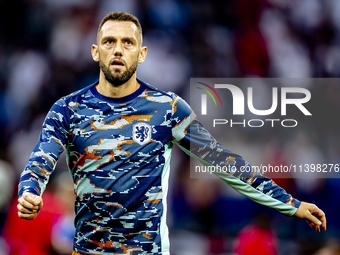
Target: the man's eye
(128, 43)
(109, 41)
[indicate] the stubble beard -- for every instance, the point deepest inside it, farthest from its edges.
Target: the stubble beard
(117, 78)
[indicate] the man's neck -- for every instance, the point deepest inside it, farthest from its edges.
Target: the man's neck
(107, 89)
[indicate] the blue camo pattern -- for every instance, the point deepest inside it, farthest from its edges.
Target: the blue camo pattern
(118, 153)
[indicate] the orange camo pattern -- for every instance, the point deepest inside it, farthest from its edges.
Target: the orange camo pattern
(232, 159)
(73, 104)
(97, 187)
(251, 179)
(154, 201)
(290, 201)
(174, 106)
(92, 155)
(48, 159)
(147, 235)
(38, 191)
(78, 253)
(126, 249)
(186, 127)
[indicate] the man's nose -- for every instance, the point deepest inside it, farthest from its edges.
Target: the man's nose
(118, 49)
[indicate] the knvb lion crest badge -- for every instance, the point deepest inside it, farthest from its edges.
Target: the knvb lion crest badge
(141, 133)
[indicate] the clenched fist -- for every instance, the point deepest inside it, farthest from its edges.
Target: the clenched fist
(29, 206)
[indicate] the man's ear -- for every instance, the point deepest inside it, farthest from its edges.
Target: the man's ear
(142, 54)
(95, 52)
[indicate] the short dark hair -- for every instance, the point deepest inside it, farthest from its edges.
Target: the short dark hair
(121, 16)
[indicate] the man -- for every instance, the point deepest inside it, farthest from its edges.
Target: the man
(119, 134)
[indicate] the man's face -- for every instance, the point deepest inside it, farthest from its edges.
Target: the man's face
(118, 51)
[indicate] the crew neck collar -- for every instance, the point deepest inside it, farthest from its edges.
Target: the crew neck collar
(118, 99)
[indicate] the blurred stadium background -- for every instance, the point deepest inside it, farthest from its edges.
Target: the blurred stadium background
(45, 54)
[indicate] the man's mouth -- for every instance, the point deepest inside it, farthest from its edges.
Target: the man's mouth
(117, 63)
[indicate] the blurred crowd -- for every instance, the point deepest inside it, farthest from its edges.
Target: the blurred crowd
(45, 54)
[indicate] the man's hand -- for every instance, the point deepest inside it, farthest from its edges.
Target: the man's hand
(29, 206)
(314, 216)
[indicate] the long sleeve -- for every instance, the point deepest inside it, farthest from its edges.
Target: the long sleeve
(189, 134)
(52, 142)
